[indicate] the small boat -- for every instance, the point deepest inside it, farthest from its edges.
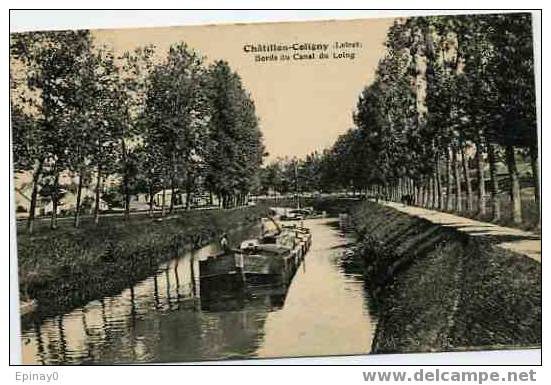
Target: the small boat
(293, 215)
(297, 214)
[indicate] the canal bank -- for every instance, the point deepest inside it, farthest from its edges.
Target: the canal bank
(68, 267)
(435, 288)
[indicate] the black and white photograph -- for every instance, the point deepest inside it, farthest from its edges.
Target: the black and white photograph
(225, 192)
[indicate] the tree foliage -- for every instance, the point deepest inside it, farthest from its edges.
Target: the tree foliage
(127, 125)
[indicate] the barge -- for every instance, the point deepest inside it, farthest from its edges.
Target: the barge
(271, 259)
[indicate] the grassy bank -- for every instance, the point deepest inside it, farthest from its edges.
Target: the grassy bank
(436, 289)
(67, 267)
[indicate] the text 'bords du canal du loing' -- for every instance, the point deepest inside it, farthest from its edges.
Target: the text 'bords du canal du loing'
(265, 52)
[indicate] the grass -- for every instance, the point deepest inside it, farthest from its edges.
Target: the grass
(435, 289)
(66, 267)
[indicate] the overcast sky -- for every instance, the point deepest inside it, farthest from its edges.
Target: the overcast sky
(303, 105)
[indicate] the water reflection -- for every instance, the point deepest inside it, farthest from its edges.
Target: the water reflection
(167, 317)
(325, 312)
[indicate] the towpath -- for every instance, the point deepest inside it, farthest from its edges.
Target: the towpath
(518, 241)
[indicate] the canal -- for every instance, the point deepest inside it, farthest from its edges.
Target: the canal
(165, 318)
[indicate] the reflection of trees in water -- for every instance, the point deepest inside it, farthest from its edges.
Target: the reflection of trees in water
(62, 340)
(193, 282)
(156, 292)
(353, 264)
(48, 308)
(235, 323)
(159, 319)
(40, 343)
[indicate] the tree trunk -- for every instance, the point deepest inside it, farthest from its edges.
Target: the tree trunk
(535, 175)
(430, 193)
(79, 196)
(449, 182)
(98, 196)
(515, 183)
(455, 167)
(425, 193)
(172, 195)
(434, 192)
(188, 194)
(188, 200)
(467, 177)
(151, 196)
(125, 181)
(481, 179)
(34, 195)
(438, 178)
(496, 207)
(398, 190)
(55, 199)
(401, 188)
(127, 203)
(163, 202)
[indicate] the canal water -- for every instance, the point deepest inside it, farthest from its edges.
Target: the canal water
(165, 318)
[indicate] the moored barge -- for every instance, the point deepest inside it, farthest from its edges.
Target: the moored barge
(271, 259)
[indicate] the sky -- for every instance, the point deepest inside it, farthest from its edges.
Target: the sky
(303, 105)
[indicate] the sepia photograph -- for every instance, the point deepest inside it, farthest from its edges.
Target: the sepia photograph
(236, 191)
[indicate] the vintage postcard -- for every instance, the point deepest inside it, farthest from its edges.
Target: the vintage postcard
(265, 190)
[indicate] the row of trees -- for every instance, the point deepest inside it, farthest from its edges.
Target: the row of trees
(291, 175)
(138, 122)
(452, 95)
